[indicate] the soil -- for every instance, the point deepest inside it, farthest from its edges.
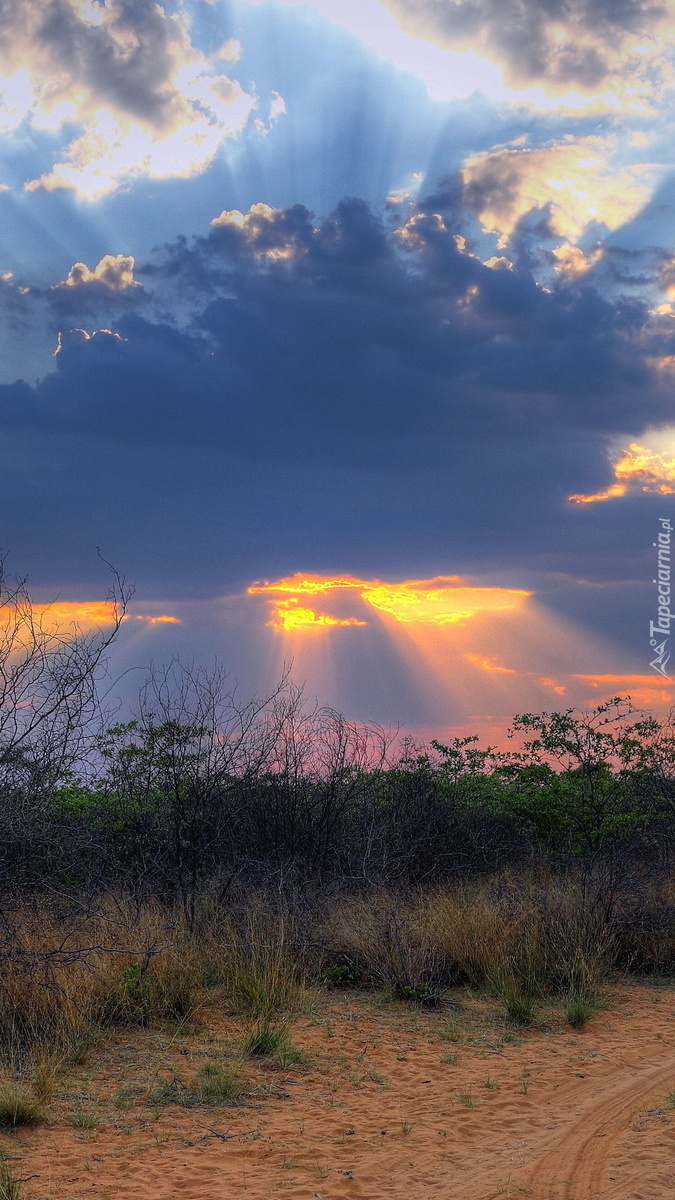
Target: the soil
(391, 1102)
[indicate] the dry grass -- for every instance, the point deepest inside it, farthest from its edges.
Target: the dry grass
(70, 973)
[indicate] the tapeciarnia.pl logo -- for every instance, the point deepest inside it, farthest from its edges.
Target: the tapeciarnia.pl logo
(662, 623)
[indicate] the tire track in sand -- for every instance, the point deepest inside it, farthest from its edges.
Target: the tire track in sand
(574, 1167)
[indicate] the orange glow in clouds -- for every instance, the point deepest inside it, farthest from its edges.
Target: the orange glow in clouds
(638, 469)
(444, 600)
(78, 615)
(458, 650)
(289, 615)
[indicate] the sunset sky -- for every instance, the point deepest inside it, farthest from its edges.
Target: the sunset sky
(346, 330)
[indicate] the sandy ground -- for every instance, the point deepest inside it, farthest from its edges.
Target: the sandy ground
(392, 1103)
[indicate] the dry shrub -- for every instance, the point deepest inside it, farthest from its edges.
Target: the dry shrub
(264, 966)
(67, 974)
(388, 941)
(520, 937)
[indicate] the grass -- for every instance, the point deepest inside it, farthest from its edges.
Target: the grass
(579, 1008)
(18, 1107)
(520, 1008)
(526, 939)
(265, 1040)
(10, 1186)
(84, 1120)
(217, 1086)
(213, 1086)
(450, 1032)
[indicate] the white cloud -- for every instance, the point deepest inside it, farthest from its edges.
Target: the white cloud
(145, 99)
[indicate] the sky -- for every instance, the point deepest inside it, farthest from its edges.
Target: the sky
(345, 330)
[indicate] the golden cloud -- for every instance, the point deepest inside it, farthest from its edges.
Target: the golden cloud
(68, 617)
(116, 271)
(577, 181)
(444, 600)
(638, 469)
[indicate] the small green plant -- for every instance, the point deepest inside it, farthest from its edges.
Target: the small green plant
(44, 1082)
(265, 1040)
(466, 1099)
(520, 1008)
(343, 975)
(18, 1107)
(83, 1120)
(579, 1008)
(213, 1086)
(670, 1097)
(491, 1084)
(422, 994)
(124, 1098)
(216, 1086)
(450, 1032)
(453, 1059)
(288, 1056)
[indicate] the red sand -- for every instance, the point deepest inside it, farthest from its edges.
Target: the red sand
(377, 1113)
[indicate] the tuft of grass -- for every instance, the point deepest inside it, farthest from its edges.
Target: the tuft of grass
(18, 1107)
(289, 1056)
(453, 1059)
(44, 1082)
(124, 1098)
(213, 1086)
(491, 1084)
(265, 1040)
(10, 1186)
(670, 1097)
(520, 1007)
(84, 1120)
(216, 1086)
(466, 1099)
(450, 1032)
(579, 1008)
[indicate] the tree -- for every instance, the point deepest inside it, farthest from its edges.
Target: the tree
(49, 672)
(590, 801)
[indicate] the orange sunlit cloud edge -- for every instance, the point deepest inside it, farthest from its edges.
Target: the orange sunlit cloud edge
(79, 614)
(637, 469)
(442, 600)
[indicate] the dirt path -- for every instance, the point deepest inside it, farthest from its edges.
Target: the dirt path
(390, 1104)
(576, 1167)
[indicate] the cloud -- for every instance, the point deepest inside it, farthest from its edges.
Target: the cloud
(146, 100)
(352, 391)
(114, 271)
(576, 181)
(637, 469)
(589, 45)
(446, 600)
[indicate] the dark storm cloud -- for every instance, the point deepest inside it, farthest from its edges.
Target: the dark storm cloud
(412, 395)
(567, 42)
